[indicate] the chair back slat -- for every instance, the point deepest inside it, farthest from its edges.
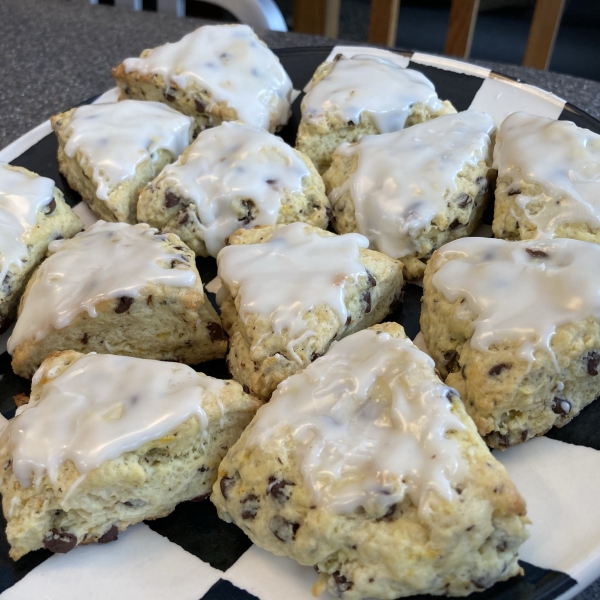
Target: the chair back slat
(383, 23)
(542, 33)
(461, 26)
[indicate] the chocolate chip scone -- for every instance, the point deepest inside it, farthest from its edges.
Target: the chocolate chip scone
(33, 212)
(233, 176)
(109, 152)
(515, 328)
(293, 289)
(117, 289)
(349, 98)
(367, 467)
(214, 74)
(548, 183)
(412, 191)
(108, 441)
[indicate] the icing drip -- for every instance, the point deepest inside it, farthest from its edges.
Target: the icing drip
(404, 179)
(108, 260)
(295, 271)
(22, 198)
(114, 138)
(101, 407)
(235, 161)
(563, 159)
(520, 291)
(232, 64)
(369, 423)
(355, 86)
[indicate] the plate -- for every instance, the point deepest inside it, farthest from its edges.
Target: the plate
(193, 555)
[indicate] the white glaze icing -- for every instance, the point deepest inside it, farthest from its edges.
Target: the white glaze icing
(560, 157)
(114, 138)
(108, 260)
(232, 64)
(235, 161)
(404, 179)
(22, 198)
(296, 270)
(100, 407)
(372, 85)
(368, 424)
(512, 295)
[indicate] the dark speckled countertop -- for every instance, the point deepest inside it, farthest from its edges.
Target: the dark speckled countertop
(57, 53)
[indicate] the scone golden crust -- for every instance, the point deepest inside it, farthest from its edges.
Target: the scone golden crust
(114, 150)
(525, 362)
(22, 247)
(269, 343)
(544, 188)
(123, 290)
(345, 101)
(367, 535)
(233, 176)
(412, 191)
(60, 509)
(214, 74)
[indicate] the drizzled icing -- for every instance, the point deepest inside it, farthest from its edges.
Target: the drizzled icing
(100, 407)
(235, 161)
(108, 260)
(520, 291)
(372, 85)
(22, 198)
(231, 63)
(368, 421)
(404, 179)
(114, 138)
(296, 270)
(560, 157)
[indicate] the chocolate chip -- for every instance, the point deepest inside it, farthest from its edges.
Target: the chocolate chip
(149, 299)
(366, 298)
(315, 355)
(350, 123)
(478, 583)
(135, 503)
(168, 97)
(246, 389)
(451, 395)
(593, 358)
(110, 536)
(279, 489)
(85, 339)
(48, 210)
(5, 323)
(200, 497)
(456, 223)
(283, 529)
(271, 181)
(524, 435)
(451, 361)
(59, 541)
(251, 504)
(199, 105)
(341, 582)
(203, 469)
(514, 192)
(504, 441)
(337, 57)
(348, 320)
(536, 253)
(171, 199)
(184, 219)
(248, 205)
(464, 200)
(226, 484)
(371, 279)
(216, 332)
(329, 213)
(390, 514)
(123, 304)
(497, 369)
(560, 406)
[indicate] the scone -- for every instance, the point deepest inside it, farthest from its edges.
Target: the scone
(109, 152)
(214, 74)
(515, 328)
(108, 441)
(233, 176)
(548, 182)
(33, 212)
(293, 289)
(367, 467)
(117, 289)
(412, 191)
(349, 98)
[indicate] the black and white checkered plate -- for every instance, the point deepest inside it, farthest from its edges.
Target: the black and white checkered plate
(192, 555)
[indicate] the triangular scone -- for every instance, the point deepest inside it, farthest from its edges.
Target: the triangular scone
(117, 289)
(414, 190)
(348, 98)
(215, 73)
(291, 291)
(515, 328)
(367, 467)
(108, 441)
(548, 183)
(109, 152)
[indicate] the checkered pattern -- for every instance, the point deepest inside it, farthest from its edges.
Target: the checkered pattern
(193, 555)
